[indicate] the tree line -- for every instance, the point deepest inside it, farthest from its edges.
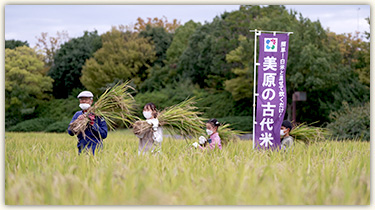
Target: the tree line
(169, 61)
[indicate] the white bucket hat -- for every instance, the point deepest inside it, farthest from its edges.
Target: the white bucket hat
(85, 93)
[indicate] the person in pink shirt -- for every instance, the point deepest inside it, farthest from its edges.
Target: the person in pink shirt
(213, 140)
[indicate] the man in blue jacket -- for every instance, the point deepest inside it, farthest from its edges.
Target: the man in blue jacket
(96, 130)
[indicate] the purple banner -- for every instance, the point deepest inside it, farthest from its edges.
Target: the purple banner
(271, 101)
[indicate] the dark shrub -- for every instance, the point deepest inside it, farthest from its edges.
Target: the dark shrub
(58, 109)
(37, 124)
(58, 127)
(243, 123)
(351, 122)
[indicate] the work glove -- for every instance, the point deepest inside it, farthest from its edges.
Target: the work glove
(195, 144)
(92, 119)
(154, 123)
(157, 137)
(202, 140)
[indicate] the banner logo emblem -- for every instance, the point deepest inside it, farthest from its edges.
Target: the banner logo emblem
(270, 45)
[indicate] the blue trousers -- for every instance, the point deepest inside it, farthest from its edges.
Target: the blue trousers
(90, 148)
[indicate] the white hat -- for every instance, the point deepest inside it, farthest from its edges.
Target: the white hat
(85, 93)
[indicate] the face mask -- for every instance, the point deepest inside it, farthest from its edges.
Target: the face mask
(84, 106)
(282, 132)
(147, 115)
(209, 132)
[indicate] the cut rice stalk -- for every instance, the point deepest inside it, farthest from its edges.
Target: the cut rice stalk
(115, 103)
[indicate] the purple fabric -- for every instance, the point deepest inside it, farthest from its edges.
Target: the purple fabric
(271, 101)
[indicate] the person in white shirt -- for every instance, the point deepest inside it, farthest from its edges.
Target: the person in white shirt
(151, 143)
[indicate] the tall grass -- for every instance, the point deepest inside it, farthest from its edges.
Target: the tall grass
(44, 168)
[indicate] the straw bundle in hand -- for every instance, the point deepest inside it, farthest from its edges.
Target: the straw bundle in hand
(115, 103)
(182, 119)
(228, 134)
(308, 134)
(142, 128)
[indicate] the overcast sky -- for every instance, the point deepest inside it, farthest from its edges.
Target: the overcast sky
(25, 22)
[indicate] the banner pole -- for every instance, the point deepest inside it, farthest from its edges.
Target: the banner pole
(255, 94)
(254, 82)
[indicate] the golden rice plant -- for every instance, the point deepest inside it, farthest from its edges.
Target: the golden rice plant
(228, 134)
(182, 119)
(44, 169)
(308, 134)
(185, 120)
(115, 103)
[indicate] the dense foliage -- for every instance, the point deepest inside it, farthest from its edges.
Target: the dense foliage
(13, 44)
(351, 122)
(213, 61)
(123, 56)
(68, 62)
(25, 84)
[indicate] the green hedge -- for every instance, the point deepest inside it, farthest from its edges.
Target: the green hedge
(212, 103)
(58, 109)
(41, 125)
(33, 125)
(58, 127)
(243, 123)
(351, 122)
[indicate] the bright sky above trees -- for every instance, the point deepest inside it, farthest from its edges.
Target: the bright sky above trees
(25, 22)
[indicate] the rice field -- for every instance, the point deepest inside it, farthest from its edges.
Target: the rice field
(44, 169)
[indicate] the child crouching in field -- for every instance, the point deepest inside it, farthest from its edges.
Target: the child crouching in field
(286, 139)
(213, 139)
(149, 140)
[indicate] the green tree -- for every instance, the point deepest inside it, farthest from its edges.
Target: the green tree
(12, 44)
(357, 52)
(315, 62)
(161, 39)
(123, 56)
(351, 122)
(348, 85)
(161, 76)
(68, 62)
(180, 41)
(202, 61)
(241, 87)
(25, 83)
(219, 59)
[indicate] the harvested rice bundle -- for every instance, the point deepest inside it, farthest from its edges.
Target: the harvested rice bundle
(228, 134)
(180, 119)
(115, 103)
(308, 134)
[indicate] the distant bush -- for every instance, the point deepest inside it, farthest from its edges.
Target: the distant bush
(171, 95)
(58, 109)
(215, 104)
(33, 125)
(58, 127)
(211, 103)
(243, 123)
(351, 122)
(41, 125)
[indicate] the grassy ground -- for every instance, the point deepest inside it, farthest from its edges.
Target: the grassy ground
(42, 168)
